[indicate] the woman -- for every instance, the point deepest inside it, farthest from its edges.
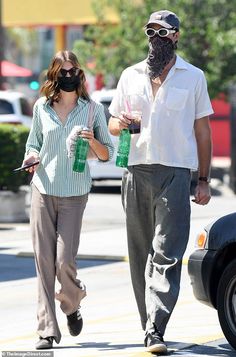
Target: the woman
(59, 195)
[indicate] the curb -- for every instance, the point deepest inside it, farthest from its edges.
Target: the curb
(118, 258)
(114, 258)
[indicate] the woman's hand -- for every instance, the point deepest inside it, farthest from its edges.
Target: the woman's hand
(31, 158)
(100, 150)
(88, 134)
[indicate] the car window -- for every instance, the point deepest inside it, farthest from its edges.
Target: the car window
(25, 107)
(106, 104)
(6, 107)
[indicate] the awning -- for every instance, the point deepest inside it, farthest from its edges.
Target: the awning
(10, 69)
(52, 13)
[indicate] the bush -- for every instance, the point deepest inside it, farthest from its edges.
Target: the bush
(12, 149)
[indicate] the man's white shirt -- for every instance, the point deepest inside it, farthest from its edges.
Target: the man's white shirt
(167, 130)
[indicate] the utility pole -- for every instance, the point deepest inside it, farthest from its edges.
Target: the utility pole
(232, 100)
(1, 46)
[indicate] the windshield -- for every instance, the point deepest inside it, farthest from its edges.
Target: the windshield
(6, 107)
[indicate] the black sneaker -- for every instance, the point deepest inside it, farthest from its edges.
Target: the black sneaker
(44, 343)
(75, 323)
(155, 343)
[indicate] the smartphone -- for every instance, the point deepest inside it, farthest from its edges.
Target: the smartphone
(26, 166)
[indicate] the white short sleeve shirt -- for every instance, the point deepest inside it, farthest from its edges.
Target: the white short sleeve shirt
(167, 129)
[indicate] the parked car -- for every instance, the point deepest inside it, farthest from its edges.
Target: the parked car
(15, 108)
(212, 271)
(105, 170)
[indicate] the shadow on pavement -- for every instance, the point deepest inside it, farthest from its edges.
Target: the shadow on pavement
(207, 350)
(16, 268)
(106, 189)
(100, 346)
(104, 346)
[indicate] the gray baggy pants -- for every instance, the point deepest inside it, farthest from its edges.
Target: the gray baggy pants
(55, 228)
(156, 200)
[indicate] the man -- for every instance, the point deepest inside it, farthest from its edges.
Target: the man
(175, 138)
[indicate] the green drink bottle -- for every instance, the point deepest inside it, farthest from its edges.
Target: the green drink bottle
(123, 148)
(81, 152)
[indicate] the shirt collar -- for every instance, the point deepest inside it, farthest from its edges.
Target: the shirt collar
(80, 100)
(141, 66)
(180, 63)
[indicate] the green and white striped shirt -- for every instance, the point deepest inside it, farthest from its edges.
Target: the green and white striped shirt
(47, 137)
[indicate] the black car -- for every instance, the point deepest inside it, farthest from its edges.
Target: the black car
(212, 271)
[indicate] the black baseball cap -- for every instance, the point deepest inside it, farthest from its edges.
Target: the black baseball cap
(164, 18)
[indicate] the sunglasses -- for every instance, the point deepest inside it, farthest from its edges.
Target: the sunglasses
(74, 71)
(163, 32)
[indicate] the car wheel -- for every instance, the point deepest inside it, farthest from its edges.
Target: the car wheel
(226, 303)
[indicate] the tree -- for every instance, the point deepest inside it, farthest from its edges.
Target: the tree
(207, 38)
(114, 46)
(21, 41)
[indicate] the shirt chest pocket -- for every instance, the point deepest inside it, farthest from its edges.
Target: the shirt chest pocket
(176, 98)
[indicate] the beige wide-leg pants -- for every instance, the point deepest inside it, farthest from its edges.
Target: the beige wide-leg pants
(55, 227)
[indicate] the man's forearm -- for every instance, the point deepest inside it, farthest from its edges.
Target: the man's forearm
(204, 146)
(114, 126)
(204, 157)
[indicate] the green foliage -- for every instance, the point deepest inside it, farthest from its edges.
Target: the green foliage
(113, 46)
(207, 38)
(12, 149)
(23, 39)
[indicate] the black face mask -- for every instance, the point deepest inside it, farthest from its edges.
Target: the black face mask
(68, 84)
(161, 52)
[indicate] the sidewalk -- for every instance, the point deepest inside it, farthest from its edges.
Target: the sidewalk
(111, 323)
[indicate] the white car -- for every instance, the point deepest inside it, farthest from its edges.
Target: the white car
(15, 108)
(106, 170)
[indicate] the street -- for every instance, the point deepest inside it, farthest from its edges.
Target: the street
(111, 323)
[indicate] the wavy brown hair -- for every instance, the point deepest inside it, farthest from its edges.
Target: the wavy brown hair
(50, 87)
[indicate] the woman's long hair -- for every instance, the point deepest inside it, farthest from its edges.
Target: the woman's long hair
(50, 87)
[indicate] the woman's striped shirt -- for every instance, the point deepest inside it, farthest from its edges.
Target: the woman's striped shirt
(47, 137)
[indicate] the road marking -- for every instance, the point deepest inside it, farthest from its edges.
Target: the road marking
(210, 338)
(123, 353)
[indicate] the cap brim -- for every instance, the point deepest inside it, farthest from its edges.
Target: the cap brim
(159, 22)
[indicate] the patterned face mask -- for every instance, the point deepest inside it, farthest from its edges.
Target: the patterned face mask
(161, 52)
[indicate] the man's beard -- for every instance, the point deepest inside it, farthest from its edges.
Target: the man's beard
(161, 52)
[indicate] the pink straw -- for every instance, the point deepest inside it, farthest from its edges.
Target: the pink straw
(127, 106)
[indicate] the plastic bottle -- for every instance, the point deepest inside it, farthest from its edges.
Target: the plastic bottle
(81, 152)
(123, 148)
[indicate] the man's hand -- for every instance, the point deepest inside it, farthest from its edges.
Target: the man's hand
(124, 120)
(116, 124)
(202, 193)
